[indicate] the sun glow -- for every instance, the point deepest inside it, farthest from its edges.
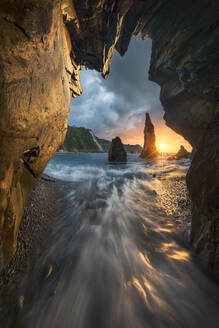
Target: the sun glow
(162, 147)
(167, 141)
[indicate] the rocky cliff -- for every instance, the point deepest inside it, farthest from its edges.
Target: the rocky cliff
(80, 139)
(43, 45)
(149, 150)
(35, 76)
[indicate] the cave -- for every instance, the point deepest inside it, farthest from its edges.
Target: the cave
(44, 45)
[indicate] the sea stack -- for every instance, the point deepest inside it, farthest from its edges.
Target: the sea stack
(182, 153)
(117, 153)
(149, 149)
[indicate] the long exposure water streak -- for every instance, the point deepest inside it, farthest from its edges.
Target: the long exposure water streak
(117, 259)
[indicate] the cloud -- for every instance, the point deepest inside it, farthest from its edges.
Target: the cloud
(111, 107)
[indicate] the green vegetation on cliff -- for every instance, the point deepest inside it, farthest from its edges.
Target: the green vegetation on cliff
(79, 139)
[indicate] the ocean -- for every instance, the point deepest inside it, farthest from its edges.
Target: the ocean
(82, 166)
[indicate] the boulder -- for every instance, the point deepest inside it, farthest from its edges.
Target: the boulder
(117, 152)
(149, 149)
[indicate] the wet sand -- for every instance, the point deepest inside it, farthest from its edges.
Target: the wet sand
(175, 201)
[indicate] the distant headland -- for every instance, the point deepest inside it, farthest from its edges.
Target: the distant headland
(80, 139)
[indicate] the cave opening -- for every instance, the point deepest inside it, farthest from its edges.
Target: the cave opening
(117, 105)
(114, 237)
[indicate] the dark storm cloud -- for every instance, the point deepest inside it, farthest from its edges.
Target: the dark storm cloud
(118, 104)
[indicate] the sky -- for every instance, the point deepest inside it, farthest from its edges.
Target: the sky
(117, 106)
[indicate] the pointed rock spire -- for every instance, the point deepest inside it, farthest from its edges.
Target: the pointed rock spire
(149, 149)
(182, 153)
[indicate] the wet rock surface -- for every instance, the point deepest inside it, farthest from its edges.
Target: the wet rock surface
(149, 150)
(117, 152)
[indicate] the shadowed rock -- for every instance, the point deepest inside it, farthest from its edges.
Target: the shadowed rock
(149, 149)
(117, 152)
(182, 153)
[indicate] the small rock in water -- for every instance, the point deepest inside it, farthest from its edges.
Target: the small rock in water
(117, 152)
(182, 153)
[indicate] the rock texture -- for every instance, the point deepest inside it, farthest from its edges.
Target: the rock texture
(203, 182)
(186, 67)
(149, 150)
(43, 44)
(36, 68)
(117, 153)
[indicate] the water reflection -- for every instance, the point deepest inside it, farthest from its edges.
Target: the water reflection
(179, 255)
(160, 229)
(173, 251)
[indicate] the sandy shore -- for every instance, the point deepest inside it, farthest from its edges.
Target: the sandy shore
(40, 214)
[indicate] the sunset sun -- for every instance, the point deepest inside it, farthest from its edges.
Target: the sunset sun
(162, 147)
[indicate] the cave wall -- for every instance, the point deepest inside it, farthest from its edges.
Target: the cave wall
(185, 64)
(44, 43)
(35, 76)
